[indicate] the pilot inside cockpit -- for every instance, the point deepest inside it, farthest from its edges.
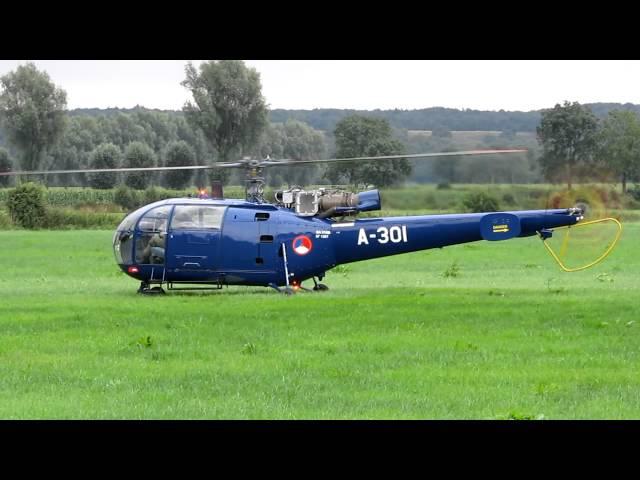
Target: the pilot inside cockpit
(154, 251)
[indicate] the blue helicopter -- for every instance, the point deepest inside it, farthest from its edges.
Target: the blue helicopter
(207, 242)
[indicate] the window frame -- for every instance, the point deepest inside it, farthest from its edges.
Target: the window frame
(144, 215)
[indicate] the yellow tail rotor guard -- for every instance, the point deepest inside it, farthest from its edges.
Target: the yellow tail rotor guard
(565, 243)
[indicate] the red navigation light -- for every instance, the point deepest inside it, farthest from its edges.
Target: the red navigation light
(133, 269)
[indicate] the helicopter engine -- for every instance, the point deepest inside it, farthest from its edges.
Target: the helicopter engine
(328, 203)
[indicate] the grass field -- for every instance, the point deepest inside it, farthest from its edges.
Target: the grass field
(481, 331)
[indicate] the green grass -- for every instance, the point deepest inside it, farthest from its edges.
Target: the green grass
(485, 330)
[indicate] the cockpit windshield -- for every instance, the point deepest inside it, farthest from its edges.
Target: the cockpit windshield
(141, 237)
(151, 240)
(130, 220)
(123, 246)
(154, 221)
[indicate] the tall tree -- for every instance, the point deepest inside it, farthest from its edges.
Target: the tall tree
(5, 166)
(105, 155)
(227, 106)
(293, 140)
(568, 135)
(139, 155)
(179, 154)
(33, 112)
(620, 144)
(82, 135)
(446, 168)
(358, 136)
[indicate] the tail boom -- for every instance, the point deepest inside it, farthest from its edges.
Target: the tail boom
(380, 237)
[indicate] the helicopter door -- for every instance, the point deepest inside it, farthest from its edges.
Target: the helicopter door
(250, 247)
(194, 239)
(267, 259)
(150, 241)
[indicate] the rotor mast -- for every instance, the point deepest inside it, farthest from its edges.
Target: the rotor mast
(254, 181)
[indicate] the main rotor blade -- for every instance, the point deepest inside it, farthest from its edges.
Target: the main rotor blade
(140, 169)
(391, 157)
(263, 163)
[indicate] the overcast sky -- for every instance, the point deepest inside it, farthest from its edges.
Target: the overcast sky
(364, 84)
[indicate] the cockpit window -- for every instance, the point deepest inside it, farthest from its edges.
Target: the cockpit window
(155, 220)
(123, 238)
(130, 220)
(196, 217)
(154, 224)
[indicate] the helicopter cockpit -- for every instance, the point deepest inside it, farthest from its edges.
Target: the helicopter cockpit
(141, 238)
(150, 240)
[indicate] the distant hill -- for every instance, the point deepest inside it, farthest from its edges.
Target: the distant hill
(422, 119)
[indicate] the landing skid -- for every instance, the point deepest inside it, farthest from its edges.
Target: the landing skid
(145, 289)
(289, 290)
(284, 290)
(319, 287)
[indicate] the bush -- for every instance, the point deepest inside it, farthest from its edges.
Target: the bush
(153, 194)
(179, 154)
(5, 221)
(139, 155)
(480, 202)
(105, 155)
(444, 186)
(5, 166)
(509, 199)
(27, 206)
(126, 198)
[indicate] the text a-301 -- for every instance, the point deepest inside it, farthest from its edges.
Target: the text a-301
(396, 234)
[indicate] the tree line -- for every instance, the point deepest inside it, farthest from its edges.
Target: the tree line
(227, 118)
(440, 117)
(578, 145)
(435, 118)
